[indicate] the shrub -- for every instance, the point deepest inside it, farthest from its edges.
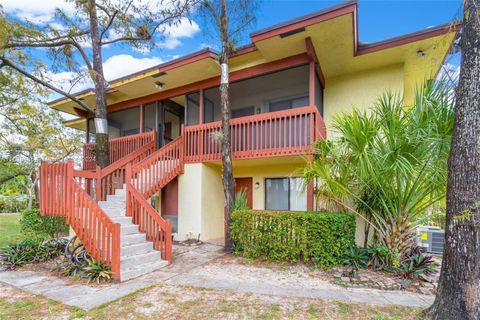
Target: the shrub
(30, 251)
(288, 236)
(382, 258)
(34, 226)
(98, 271)
(240, 203)
(356, 258)
(415, 264)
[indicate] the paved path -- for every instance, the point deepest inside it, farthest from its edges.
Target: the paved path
(190, 267)
(88, 297)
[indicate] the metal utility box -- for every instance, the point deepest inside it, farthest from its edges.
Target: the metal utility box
(431, 238)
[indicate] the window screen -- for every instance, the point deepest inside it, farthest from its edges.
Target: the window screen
(285, 194)
(276, 193)
(298, 196)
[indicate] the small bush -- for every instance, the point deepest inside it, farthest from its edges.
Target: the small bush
(382, 258)
(34, 226)
(415, 264)
(356, 258)
(98, 271)
(320, 237)
(30, 251)
(240, 203)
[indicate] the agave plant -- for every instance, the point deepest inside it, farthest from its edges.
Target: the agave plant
(390, 164)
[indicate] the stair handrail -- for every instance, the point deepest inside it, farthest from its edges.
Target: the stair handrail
(170, 159)
(100, 182)
(136, 140)
(97, 232)
(156, 228)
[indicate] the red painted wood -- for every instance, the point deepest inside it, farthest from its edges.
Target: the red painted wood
(142, 118)
(118, 148)
(146, 178)
(62, 195)
(280, 133)
(170, 198)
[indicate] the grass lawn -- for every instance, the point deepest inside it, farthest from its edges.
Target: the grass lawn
(182, 302)
(9, 229)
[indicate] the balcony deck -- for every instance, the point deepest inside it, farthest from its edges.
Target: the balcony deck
(273, 134)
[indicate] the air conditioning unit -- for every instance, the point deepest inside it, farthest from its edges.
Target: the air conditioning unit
(431, 238)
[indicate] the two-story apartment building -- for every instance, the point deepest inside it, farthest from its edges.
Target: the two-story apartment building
(286, 86)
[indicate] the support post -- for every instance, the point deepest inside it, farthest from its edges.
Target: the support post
(98, 184)
(311, 84)
(201, 107)
(142, 109)
(310, 196)
(87, 131)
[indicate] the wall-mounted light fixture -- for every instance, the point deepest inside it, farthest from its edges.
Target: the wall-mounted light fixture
(257, 185)
(159, 85)
(421, 53)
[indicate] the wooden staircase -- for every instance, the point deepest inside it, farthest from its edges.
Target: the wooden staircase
(109, 208)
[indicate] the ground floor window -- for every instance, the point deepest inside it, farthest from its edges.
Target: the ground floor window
(285, 194)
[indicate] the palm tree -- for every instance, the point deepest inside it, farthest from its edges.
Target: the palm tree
(388, 165)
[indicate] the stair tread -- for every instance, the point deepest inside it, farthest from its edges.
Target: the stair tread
(143, 255)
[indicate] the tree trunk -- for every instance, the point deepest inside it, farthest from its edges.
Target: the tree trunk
(101, 124)
(458, 295)
(36, 191)
(227, 170)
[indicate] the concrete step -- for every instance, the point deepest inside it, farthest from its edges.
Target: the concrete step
(138, 248)
(126, 229)
(121, 219)
(117, 198)
(129, 262)
(114, 212)
(132, 239)
(112, 206)
(139, 270)
(121, 192)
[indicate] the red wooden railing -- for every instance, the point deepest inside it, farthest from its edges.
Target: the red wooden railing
(54, 181)
(281, 133)
(157, 229)
(61, 195)
(145, 179)
(156, 171)
(113, 176)
(118, 148)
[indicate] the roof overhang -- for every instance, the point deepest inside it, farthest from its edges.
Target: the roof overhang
(333, 34)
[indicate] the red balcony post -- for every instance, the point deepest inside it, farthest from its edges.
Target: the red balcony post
(142, 110)
(311, 83)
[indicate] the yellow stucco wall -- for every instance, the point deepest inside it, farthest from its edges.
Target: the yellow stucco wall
(190, 202)
(200, 203)
(360, 89)
(212, 204)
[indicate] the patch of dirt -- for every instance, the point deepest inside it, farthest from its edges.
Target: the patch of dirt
(307, 276)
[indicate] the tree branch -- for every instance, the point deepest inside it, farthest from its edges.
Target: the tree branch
(109, 24)
(8, 63)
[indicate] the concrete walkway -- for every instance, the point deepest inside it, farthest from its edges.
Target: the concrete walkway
(195, 266)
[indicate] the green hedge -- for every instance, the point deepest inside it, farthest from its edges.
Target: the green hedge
(321, 237)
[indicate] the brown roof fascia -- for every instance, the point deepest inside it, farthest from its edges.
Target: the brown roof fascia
(407, 38)
(306, 20)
